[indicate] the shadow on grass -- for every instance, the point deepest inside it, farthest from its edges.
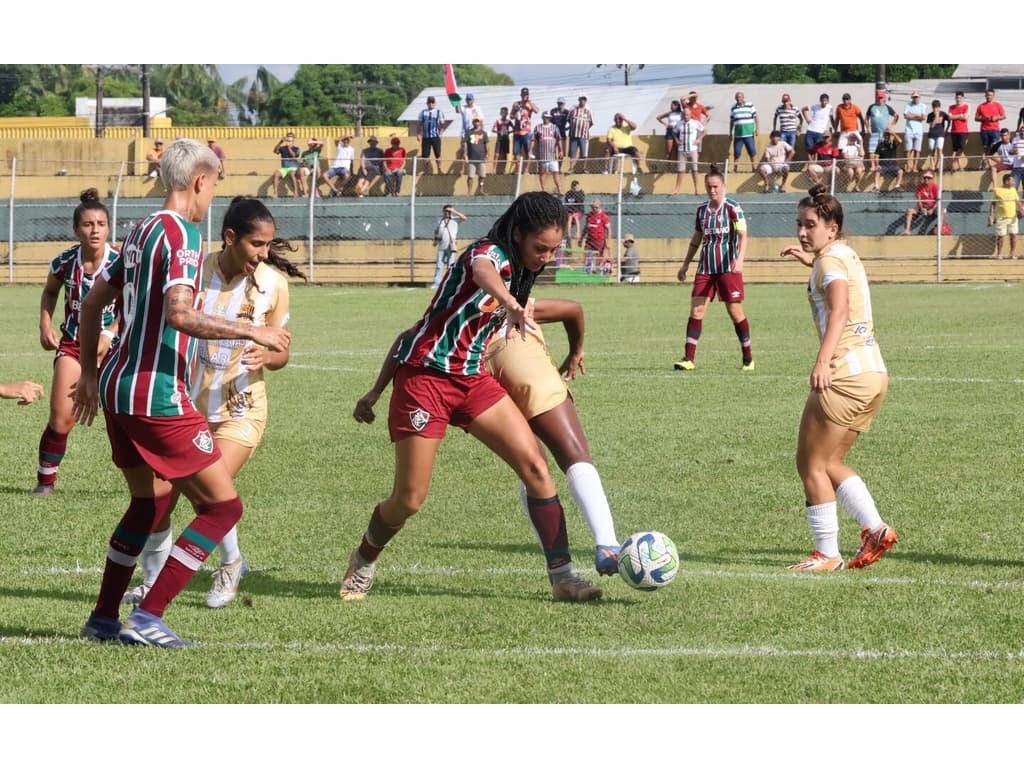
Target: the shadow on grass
(782, 557)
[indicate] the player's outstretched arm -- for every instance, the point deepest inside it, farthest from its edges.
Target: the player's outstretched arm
(181, 314)
(570, 314)
(364, 406)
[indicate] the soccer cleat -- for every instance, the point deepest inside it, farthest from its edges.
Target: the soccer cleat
(135, 595)
(100, 629)
(569, 587)
(225, 583)
(606, 561)
(817, 562)
(143, 628)
(43, 489)
(747, 366)
(684, 365)
(873, 544)
(358, 578)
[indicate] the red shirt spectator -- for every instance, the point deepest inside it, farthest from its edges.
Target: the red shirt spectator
(394, 157)
(597, 229)
(927, 194)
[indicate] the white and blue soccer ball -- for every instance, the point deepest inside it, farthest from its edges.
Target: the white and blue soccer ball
(648, 560)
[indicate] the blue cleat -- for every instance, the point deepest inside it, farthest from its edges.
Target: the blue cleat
(100, 629)
(606, 561)
(143, 628)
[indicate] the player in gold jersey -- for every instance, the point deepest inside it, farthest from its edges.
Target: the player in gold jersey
(848, 385)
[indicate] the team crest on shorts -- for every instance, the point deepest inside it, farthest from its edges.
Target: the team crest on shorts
(203, 441)
(419, 419)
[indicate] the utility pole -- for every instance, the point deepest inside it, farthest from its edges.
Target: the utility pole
(880, 83)
(145, 100)
(626, 69)
(99, 101)
(359, 109)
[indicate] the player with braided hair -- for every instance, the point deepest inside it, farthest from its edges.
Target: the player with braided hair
(440, 378)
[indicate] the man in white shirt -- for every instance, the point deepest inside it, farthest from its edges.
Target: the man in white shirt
(819, 122)
(915, 114)
(341, 169)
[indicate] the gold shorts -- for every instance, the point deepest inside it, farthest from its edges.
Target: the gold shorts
(524, 369)
(853, 402)
(246, 432)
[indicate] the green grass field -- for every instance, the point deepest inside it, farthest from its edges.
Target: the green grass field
(461, 611)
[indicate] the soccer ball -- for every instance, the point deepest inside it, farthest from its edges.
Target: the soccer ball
(648, 560)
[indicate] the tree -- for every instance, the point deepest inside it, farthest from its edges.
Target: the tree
(826, 73)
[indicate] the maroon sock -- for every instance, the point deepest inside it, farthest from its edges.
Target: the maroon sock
(52, 447)
(548, 519)
(190, 551)
(378, 534)
(123, 551)
(743, 334)
(693, 329)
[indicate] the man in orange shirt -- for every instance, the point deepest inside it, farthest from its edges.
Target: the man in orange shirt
(848, 119)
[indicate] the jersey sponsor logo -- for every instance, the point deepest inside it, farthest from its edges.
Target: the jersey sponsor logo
(488, 304)
(419, 419)
(130, 254)
(203, 441)
(246, 312)
(188, 258)
(176, 398)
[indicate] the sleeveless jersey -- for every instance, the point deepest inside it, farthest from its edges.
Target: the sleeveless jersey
(452, 334)
(222, 388)
(148, 372)
(68, 268)
(720, 229)
(857, 351)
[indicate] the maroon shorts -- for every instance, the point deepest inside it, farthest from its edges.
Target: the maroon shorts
(727, 286)
(424, 401)
(172, 446)
(67, 348)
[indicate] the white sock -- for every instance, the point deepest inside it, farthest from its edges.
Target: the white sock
(587, 491)
(154, 555)
(228, 547)
(824, 523)
(857, 499)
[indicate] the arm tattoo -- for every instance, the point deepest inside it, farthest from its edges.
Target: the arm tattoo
(183, 316)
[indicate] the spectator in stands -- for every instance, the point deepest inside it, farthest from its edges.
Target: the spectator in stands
(888, 166)
(289, 155)
(560, 119)
(776, 158)
(581, 120)
(521, 114)
(309, 165)
(848, 119)
(927, 194)
(370, 161)
(959, 129)
(1004, 210)
(915, 114)
(547, 148)
(620, 142)
(697, 110)
(431, 125)
(212, 144)
(989, 114)
(691, 138)
(475, 152)
(744, 127)
(822, 157)
(341, 169)
(469, 112)
(938, 123)
(629, 268)
(881, 117)
(1018, 158)
(671, 120)
(819, 122)
(853, 160)
(597, 231)
(394, 166)
(574, 200)
(502, 129)
(787, 120)
(1001, 156)
(153, 159)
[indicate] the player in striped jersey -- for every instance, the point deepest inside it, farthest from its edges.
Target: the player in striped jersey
(439, 379)
(848, 385)
(74, 271)
(239, 285)
(720, 232)
(159, 441)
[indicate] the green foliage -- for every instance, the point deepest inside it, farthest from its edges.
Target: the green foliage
(826, 73)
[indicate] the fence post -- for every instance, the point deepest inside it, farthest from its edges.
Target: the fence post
(618, 206)
(519, 175)
(310, 237)
(10, 223)
(412, 221)
(938, 232)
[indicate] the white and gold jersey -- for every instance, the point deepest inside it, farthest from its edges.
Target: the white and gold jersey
(857, 351)
(222, 387)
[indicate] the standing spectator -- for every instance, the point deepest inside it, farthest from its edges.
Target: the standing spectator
(853, 160)
(446, 235)
(521, 114)
(744, 127)
(1001, 156)
(1004, 210)
(671, 120)
(697, 110)
(502, 129)
(848, 119)
(720, 233)
(212, 144)
(959, 129)
(777, 156)
(888, 166)
(1018, 157)
(989, 114)
(880, 118)
(548, 149)
(915, 114)
(431, 125)
(938, 123)
(620, 142)
(560, 119)
(927, 194)
(691, 138)
(370, 161)
(581, 120)
(289, 154)
(153, 158)
(344, 156)
(629, 269)
(476, 156)
(597, 231)
(574, 200)
(819, 122)
(309, 166)
(787, 120)
(394, 167)
(469, 112)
